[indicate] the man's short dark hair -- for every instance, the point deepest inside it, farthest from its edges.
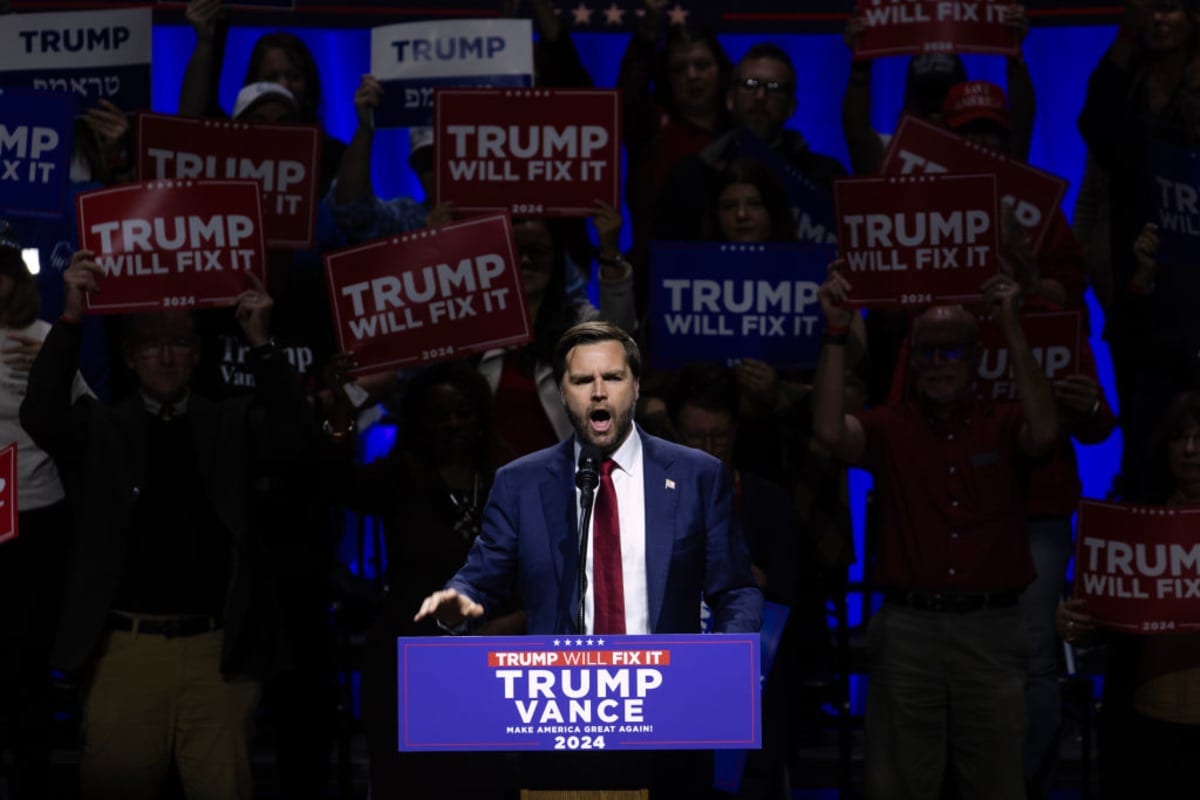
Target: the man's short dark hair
(771, 51)
(594, 333)
(712, 387)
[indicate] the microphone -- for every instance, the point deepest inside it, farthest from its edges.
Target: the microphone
(587, 478)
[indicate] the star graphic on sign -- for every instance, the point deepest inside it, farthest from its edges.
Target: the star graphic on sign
(614, 15)
(678, 14)
(583, 14)
(579, 642)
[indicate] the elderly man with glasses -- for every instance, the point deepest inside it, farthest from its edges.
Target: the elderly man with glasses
(949, 649)
(761, 98)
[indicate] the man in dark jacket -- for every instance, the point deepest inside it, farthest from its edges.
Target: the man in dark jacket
(168, 603)
(761, 98)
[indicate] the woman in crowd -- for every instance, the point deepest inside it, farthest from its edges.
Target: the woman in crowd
(277, 57)
(1150, 722)
(31, 565)
(429, 493)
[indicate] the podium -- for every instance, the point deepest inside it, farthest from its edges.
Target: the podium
(580, 701)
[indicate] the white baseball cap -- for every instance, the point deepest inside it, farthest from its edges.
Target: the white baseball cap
(254, 93)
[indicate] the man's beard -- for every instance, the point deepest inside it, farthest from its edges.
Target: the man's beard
(622, 424)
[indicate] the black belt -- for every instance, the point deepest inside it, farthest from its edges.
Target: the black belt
(952, 602)
(170, 628)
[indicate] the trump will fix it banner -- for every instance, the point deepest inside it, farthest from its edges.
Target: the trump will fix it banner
(8, 493)
(172, 244)
(916, 240)
(897, 27)
(429, 295)
(281, 158)
(1138, 567)
(549, 152)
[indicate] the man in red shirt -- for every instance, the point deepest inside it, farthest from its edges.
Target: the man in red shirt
(948, 650)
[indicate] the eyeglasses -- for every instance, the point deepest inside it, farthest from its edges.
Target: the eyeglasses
(152, 347)
(926, 354)
(752, 85)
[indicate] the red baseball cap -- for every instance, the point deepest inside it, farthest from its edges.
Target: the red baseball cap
(972, 101)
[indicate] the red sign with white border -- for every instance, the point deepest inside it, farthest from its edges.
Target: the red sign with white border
(172, 244)
(900, 27)
(284, 159)
(1055, 337)
(429, 295)
(8, 494)
(543, 152)
(1138, 567)
(919, 239)
(921, 148)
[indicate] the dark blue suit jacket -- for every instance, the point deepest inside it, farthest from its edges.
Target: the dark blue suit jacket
(693, 545)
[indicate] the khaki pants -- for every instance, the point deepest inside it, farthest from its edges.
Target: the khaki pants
(153, 699)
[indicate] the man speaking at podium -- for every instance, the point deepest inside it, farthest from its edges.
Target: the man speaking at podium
(662, 531)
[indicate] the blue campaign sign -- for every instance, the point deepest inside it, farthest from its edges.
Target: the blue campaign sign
(722, 302)
(414, 59)
(1173, 197)
(540, 693)
(35, 152)
(92, 54)
(812, 206)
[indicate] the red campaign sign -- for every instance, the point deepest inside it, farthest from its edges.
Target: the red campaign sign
(283, 159)
(1138, 567)
(899, 27)
(549, 152)
(917, 239)
(919, 147)
(172, 244)
(1055, 337)
(430, 295)
(8, 493)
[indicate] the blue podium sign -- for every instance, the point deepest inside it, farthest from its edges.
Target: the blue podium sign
(535, 693)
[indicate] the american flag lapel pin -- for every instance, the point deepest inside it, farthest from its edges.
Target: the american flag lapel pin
(670, 483)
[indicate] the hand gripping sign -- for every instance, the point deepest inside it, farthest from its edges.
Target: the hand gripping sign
(92, 54)
(414, 59)
(918, 239)
(36, 129)
(172, 244)
(549, 152)
(8, 493)
(898, 27)
(429, 295)
(1055, 337)
(1138, 567)
(282, 158)
(919, 148)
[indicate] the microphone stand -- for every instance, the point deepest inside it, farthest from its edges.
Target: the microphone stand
(587, 495)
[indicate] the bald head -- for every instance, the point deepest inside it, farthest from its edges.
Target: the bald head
(945, 325)
(942, 355)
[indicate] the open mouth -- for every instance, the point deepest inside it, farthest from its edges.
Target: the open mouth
(600, 420)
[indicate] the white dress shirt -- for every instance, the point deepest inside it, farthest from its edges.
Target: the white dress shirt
(629, 480)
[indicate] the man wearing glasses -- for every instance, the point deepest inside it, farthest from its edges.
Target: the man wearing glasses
(948, 650)
(761, 98)
(168, 609)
